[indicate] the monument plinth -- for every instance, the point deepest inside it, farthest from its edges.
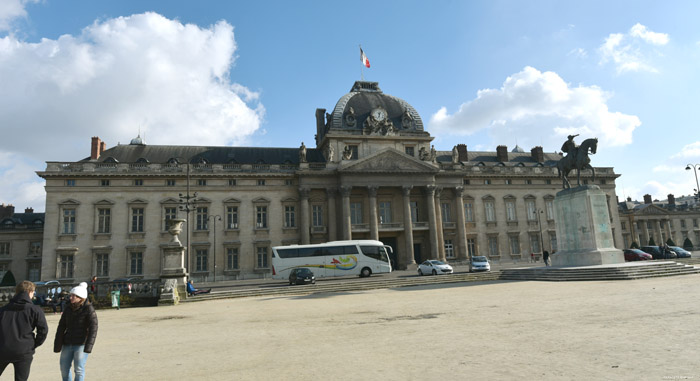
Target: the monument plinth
(584, 234)
(173, 273)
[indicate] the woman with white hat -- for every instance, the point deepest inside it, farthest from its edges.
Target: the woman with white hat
(76, 333)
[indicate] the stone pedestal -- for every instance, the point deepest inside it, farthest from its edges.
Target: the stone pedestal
(584, 234)
(173, 273)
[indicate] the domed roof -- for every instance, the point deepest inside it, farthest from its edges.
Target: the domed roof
(355, 108)
(137, 141)
(517, 149)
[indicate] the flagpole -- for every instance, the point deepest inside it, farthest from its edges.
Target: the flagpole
(362, 69)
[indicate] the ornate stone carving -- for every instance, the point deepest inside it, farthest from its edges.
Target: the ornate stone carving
(329, 152)
(347, 153)
(304, 192)
(455, 155)
(373, 126)
(406, 120)
(331, 192)
(302, 153)
(345, 191)
(459, 191)
(350, 118)
(406, 190)
(175, 229)
(430, 190)
(170, 285)
(423, 154)
(372, 190)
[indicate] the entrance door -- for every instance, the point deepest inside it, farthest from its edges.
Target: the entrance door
(393, 256)
(416, 253)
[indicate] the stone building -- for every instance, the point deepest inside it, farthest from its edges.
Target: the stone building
(639, 222)
(21, 236)
(372, 174)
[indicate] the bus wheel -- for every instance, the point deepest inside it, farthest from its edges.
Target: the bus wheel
(365, 272)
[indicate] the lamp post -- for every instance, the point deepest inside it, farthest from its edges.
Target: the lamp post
(187, 203)
(539, 223)
(214, 218)
(697, 187)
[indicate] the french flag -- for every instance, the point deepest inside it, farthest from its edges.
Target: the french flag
(363, 57)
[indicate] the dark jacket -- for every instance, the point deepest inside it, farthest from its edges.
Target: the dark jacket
(18, 320)
(77, 327)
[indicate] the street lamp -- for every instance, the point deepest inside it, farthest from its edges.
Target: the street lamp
(697, 187)
(215, 218)
(187, 203)
(539, 223)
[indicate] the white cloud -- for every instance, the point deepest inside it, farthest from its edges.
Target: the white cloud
(629, 52)
(22, 187)
(578, 52)
(538, 107)
(11, 10)
(145, 71)
(689, 151)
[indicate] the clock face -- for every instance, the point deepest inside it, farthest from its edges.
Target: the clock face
(379, 114)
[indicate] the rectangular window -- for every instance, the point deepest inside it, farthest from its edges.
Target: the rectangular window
(514, 244)
(138, 182)
(202, 215)
(261, 217)
(169, 214)
(70, 182)
(510, 211)
(354, 150)
(490, 211)
(232, 182)
(202, 182)
(553, 242)
(528, 182)
(232, 258)
(316, 215)
(170, 183)
(682, 224)
(487, 181)
(385, 212)
(549, 206)
(35, 248)
(695, 222)
(449, 249)
(531, 210)
(548, 182)
(493, 246)
(288, 182)
(445, 210)
(509, 182)
(290, 216)
(410, 151)
(355, 213)
(231, 217)
(201, 260)
(649, 225)
(466, 182)
(34, 271)
(414, 211)
(104, 220)
(469, 212)
(262, 260)
(137, 220)
(136, 259)
(104, 183)
(66, 266)
(471, 247)
(624, 226)
(261, 182)
(535, 243)
(68, 221)
(4, 248)
(102, 264)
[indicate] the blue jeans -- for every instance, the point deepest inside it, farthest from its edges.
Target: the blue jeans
(73, 354)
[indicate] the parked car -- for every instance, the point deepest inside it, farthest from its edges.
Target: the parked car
(434, 267)
(657, 254)
(301, 275)
(681, 252)
(636, 255)
(479, 263)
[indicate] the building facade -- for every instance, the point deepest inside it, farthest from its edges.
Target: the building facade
(658, 221)
(21, 239)
(372, 175)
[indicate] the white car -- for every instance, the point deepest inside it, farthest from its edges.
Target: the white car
(434, 267)
(479, 263)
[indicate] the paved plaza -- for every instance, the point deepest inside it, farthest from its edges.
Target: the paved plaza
(622, 330)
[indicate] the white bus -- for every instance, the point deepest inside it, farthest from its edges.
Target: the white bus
(337, 258)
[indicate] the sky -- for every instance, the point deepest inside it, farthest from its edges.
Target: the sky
(481, 73)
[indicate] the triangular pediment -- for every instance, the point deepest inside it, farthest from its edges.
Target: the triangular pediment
(651, 210)
(388, 161)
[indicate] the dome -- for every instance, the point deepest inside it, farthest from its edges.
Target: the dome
(138, 141)
(517, 149)
(367, 108)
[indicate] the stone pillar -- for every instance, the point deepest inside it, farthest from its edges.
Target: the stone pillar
(347, 223)
(332, 219)
(657, 226)
(407, 259)
(173, 273)
(463, 253)
(305, 221)
(373, 220)
(432, 225)
(438, 224)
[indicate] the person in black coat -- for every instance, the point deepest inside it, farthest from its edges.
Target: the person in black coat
(18, 320)
(76, 333)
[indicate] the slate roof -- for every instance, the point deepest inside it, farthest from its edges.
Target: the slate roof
(27, 219)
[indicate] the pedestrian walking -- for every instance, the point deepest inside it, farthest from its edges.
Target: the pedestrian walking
(76, 333)
(545, 257)
(18, 320)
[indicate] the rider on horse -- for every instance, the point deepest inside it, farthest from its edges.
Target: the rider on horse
(570, 146)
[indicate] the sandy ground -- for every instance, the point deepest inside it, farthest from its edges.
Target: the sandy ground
(623, 330)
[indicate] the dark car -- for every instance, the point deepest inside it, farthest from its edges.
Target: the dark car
(657, 254)
(636, 255)
(680, 252)
(301, 275)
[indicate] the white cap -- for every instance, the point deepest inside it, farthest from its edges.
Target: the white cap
(80, 290)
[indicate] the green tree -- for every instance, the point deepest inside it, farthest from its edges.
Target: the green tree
(670, 242)
(651, 241)
(634, 245)
(688, 244)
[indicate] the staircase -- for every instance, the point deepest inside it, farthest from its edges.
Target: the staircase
(626, 271)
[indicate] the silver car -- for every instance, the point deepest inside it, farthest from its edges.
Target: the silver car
(434, 267)
(479, 263)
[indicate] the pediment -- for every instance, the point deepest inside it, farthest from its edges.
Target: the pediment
(652, 210)
(388, 161)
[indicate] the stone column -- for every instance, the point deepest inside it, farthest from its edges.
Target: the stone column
(347, 223)
(408, 259)
(373, 223)
(305, 221)
(657, 225)
(463, 253)
(438, 224)
(332, 219)
(432, 225)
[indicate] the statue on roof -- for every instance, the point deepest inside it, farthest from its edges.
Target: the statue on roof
(302, 153)
(433, 154)
(328, 152)
(455, 155)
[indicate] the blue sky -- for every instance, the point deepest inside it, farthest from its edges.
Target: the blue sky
(482, 73)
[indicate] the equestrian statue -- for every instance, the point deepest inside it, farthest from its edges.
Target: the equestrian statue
(576, 158)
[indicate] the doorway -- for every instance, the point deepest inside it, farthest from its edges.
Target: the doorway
(393, 256)
(416, 253)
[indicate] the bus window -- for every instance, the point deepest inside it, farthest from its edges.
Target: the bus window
(375, 252)
(288, 253)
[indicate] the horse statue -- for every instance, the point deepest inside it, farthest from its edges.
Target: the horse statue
(577, 159)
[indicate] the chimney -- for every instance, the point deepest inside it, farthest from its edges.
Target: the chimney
(671, 200)
(629, 199)
(462, 152)
(95, 148)
(537, 154)
(7, 211)
(502, 153)
(29, 210)
(102, 146)
(647, 199)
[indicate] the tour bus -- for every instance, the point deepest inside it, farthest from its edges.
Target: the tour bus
(337, 258)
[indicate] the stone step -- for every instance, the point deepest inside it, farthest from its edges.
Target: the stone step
(601, 273)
